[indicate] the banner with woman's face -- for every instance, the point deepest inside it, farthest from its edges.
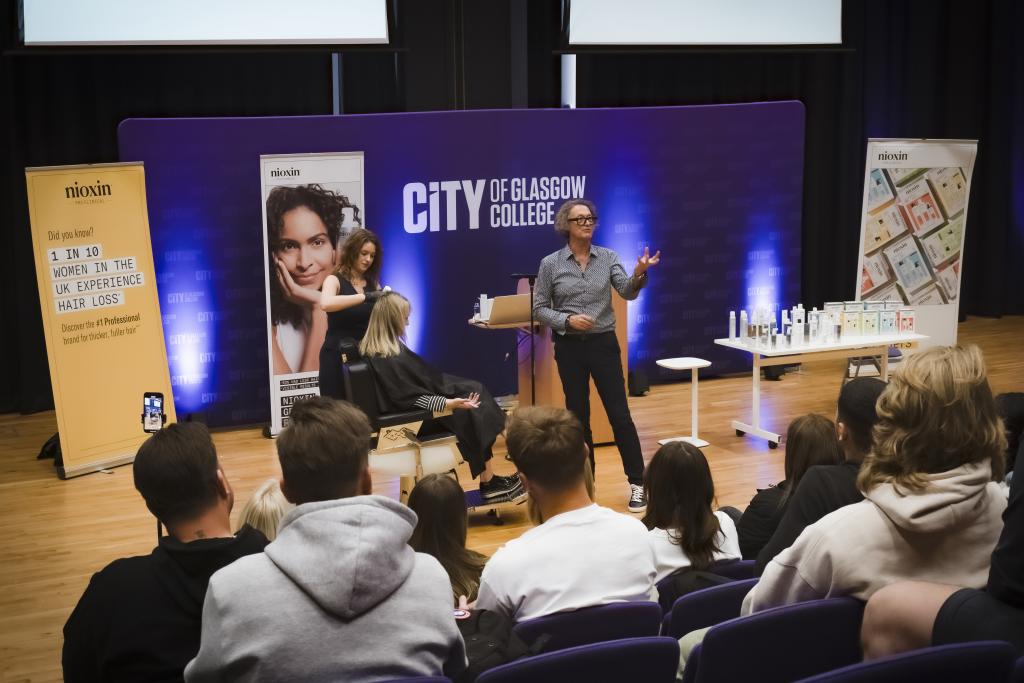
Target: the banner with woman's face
(311, 202)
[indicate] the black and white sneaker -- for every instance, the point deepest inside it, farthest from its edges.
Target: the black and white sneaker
(501, 489)
(637, 499)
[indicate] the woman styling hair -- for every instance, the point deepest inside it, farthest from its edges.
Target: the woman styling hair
(348, 296)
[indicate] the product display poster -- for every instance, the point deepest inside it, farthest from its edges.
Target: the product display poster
(100, 308)
(912, 228)
(311, 202)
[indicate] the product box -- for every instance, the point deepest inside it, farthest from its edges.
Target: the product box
(944, 244)
(887, 322)
(879, 192)
(908, 264)
(907, 317)
(949, 280)
(920, 207)
(928, 296)
(852, 323)
(833, 311)
(874, 305)
(883, 227)
(902, 176)
(950, 189)
(869, 322)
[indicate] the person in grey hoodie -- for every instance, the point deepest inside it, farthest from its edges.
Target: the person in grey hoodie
(932, 508)
(339, 595)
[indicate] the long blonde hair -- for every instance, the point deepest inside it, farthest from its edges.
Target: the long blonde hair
(265, 508)
(937, 414)
(386, 328)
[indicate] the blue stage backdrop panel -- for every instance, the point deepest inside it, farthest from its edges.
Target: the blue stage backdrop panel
(716, 188)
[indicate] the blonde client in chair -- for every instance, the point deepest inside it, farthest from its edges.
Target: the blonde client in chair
(408, 382)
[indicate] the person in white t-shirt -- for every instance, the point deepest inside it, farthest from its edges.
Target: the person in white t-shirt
(685, 532)
(581, 554)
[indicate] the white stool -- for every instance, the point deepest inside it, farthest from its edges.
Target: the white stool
(691, 364)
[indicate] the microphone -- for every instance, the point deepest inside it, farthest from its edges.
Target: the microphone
(528, 276)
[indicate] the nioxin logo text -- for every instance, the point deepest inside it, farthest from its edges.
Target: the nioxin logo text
(79, 192)
(284, 173)
(892, 156)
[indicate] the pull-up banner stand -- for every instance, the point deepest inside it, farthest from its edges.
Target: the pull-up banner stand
(101, 311)
(912, 230)
(311, 202)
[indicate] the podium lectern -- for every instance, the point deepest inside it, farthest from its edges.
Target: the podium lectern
(549, 385)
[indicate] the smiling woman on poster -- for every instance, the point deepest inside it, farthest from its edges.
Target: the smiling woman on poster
(574, 298)
(304, 224)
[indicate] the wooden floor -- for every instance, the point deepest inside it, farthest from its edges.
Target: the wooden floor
(55, 534)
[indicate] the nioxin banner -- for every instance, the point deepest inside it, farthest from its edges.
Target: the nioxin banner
(912, 237)
(101, 314)
(462, 200)
(311, 202)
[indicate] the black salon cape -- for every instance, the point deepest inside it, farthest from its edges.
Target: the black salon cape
(403, 378)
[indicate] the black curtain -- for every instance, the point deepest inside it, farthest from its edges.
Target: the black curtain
(64, 108)
(912, 68)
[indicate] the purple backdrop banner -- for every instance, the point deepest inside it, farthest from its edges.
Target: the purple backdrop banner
(463, 199)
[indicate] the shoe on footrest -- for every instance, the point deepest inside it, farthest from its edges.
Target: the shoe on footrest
(510, 481)
(501, 489)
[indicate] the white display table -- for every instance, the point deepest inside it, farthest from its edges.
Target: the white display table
(864, 345)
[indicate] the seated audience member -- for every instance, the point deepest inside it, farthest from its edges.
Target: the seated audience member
(581, 554)
(533, 512)
(810, 440)
(931, 512)
(139, 618)
(1011, 409)
(684, 531)
(826, 488)
(407, 382)
(440, 506)
(265, 508)
(339, 595)
(913, 614)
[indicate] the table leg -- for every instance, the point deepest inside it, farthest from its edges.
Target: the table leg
(693, 401)
(755, 428)
(883, 365)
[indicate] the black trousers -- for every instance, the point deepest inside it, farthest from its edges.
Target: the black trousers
(580, 357)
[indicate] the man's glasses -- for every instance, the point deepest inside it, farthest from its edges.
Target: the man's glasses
(583, 220)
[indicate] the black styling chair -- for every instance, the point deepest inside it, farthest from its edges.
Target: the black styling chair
(397, 450)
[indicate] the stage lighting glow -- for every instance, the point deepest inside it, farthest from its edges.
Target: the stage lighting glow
(624, 229)
(764, 273)
(186, 286)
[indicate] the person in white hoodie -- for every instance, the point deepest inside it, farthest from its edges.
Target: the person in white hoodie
(932, 510)
(339, 595)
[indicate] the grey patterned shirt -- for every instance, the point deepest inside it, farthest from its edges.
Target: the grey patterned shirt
(564, 289)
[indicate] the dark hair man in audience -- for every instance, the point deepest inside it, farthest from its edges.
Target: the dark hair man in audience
(826, 488)
(581, 554)
(339, 595)
(139, 618)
